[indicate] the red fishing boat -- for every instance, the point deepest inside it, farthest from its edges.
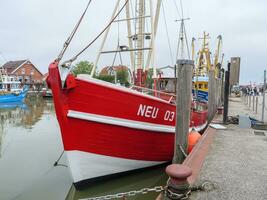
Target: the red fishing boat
(109, 130)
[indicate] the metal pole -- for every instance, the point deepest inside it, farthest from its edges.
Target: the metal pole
(249, 101)
(253, 103)
(257, 101)
(226, 94)
(263, 97)
(104, 39)
(183, 108)
(130, 41)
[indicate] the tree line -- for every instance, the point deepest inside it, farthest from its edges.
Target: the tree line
(121, 76)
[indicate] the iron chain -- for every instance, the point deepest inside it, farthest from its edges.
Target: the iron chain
(206, 186)
(175, 196)
(157, 189)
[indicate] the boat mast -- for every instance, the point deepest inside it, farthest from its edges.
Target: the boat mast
(182, 41)
(139, 55)
(140, 26)
(104, 40)
(137, 45)
(204, 61)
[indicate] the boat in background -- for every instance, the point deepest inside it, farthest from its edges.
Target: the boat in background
(203, 65)
(200, 88)
(47, 93)
(109, 130)
(10, 90)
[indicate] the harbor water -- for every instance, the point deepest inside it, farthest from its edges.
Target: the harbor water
(30, 143)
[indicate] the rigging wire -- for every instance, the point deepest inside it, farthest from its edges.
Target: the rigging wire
(176, 6)
(181, 4)
(119, 39)
(187, 46)
(66, 44)
(182, 34)
(118, 44)
(167, 32)
(2, 55)
(87, 46)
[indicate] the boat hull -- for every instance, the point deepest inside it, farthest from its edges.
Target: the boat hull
(201, 95)
(10, 98)
(108, 130)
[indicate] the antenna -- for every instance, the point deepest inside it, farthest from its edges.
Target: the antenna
(182, 40)
(182, 37)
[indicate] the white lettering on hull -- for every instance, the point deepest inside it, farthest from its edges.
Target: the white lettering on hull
(148, 111)
(152, 112)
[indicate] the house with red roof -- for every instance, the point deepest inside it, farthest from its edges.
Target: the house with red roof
(24, 71)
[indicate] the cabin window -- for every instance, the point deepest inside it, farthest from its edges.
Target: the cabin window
(206, 86)
(32, 71)
(200, 86)
(22, 71)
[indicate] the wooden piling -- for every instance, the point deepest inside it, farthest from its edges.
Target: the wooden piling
(212, 95)
(222, 85)
(183, 108)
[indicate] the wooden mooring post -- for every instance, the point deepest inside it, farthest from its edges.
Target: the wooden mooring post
(212, 95)
(226, 94)
(183, 108)
(263, 97)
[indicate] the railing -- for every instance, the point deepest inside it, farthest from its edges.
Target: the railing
(169, 97)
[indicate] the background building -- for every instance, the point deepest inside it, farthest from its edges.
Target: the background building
(235, 71)
(24, 71)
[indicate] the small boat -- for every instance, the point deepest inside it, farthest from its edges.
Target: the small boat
(109, 130)
(47, 93)
(10, 90)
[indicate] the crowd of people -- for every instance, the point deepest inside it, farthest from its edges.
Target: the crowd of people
(254, 91)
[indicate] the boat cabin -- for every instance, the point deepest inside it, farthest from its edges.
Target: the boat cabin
(10, 84)
(200, 83)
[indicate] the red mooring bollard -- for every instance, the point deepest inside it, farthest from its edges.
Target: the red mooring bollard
(178, 186)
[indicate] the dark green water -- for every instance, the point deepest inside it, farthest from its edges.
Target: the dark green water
(30, 143)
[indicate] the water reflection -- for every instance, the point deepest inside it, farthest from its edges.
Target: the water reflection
(24, 115)
(137, 181)
(29, 145)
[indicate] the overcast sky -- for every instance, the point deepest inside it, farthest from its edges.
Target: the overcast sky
(37, 29)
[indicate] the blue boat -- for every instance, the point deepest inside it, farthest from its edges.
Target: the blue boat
(10, 89)
(14, 97)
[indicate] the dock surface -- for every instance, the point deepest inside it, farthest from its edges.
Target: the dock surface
(236, 165)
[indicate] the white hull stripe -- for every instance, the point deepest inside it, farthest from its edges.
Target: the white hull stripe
(121, 122)
(126, 122)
